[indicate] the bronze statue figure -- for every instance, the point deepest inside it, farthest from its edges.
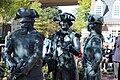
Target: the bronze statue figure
(64, 45)
(23, 52)
(92, 54)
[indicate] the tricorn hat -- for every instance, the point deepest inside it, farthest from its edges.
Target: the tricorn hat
(93, 18)
(64, 17)
(26, 14)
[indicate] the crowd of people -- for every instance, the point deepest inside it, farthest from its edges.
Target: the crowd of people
(27, 50)
(107, 57)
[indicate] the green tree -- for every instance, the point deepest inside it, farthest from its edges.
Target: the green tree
(46, 16)
(80, 14)
(41, 22)
(9, 7)
(50, 13)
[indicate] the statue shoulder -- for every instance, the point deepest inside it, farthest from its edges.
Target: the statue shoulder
(38, 34)
(96, 39)
(15, 34)
(75, 34)
(53, 37)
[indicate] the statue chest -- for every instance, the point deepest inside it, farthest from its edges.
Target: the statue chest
(24, 45)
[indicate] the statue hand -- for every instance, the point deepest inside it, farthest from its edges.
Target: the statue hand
(24, 69)
(67, 45)
(10, 64)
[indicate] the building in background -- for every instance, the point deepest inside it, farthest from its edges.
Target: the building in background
(111, 15)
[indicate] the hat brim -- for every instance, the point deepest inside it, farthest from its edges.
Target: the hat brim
(25, 19)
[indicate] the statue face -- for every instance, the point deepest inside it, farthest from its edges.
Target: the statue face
(64, 25)
(98, 28)
(28, 26)
(94, 26)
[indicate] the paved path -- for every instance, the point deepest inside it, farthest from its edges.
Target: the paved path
(108, 77)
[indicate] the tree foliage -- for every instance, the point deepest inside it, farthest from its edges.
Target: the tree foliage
(50, 13)
(41, 22)
(46, 16)
(5, 6)
(9, 7)
(80, 14)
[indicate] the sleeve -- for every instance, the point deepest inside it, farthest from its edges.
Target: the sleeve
(49, 46)
(9, 61)
(97, 52)
(75, 48)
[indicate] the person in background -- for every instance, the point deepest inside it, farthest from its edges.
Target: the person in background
(7, 37)
(46, 49)
(92, 54)
(47, 45)
(106, 52)
(116, 58)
